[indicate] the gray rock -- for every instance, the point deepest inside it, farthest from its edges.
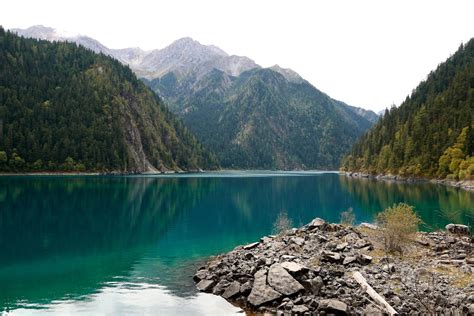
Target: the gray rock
(458, 229)
(341, 246)
(246, 288)
(232, 290)
(280, 280)
(200, 275)
(299, 309)
(205, 285)
(293, 267)
(251, 246)
(298, 240)
(364, 259)
(316, 285)
(332, 305)
(348, 260)
(331, 256)
(262, 293)
(317, 223)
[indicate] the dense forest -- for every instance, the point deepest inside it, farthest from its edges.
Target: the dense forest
(431, 134)
(65, 108)
(262, 120)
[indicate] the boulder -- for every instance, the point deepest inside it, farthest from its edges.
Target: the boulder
(280, 280)
(331, 256)
(348, 260)
(205, 285)
(341, 246)
(458, 229)
(364, 259)
(232, 290)
(200, 275)
(262, 293)
(333, 305)
(317, 223)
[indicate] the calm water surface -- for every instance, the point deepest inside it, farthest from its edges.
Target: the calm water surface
(130, 245)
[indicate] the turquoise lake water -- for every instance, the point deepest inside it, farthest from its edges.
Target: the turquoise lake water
(130, 245)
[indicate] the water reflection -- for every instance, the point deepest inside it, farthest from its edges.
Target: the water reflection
(82, 243)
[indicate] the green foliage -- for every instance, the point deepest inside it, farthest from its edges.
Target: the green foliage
(397, 225)
(431, 133)
(63, 107)
(261, 120)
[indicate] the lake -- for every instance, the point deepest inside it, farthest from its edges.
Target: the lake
(130, 245)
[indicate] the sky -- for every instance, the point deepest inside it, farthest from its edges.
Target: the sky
(370, 54)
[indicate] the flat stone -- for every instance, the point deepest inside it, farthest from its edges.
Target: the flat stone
(262, 293)
(348, 260)
(293, 267)
(341, 246)
(458, 229)
(205, 285)
(232, 290)
(298, 240)
(280, 280)
(331, 256)
(287, 257)
(368, 225)
(333, 305)
(299, 309)
(251, 246)
(364, 259)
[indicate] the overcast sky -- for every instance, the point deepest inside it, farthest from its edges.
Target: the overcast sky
(366, 53)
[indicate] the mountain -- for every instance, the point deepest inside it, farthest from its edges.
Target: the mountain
(431, 134)
(63, 107)
(234, 106)
(262, 120)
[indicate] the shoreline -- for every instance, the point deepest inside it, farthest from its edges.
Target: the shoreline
(326, 268)
(467, 185)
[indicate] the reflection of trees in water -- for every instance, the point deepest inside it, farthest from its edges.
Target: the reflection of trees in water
(63, 236)
(436, 204)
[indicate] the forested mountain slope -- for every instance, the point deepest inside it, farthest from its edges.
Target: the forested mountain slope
(431, 134)
(63, 107)
(260, 119)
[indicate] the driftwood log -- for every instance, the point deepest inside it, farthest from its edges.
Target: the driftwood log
(373, 294)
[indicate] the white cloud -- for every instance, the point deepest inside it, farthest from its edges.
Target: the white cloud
(366, 53)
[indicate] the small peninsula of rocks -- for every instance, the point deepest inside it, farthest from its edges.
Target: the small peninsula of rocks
(312, 271)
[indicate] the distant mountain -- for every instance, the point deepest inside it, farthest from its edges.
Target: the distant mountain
(431, 134)
(249, 116)
(65, 108)
(262, 120)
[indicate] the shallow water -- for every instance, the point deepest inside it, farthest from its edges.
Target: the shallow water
(130, 245)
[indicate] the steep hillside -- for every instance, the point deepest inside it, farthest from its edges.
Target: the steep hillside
(63, 107)
(261, 120)
(431, 134)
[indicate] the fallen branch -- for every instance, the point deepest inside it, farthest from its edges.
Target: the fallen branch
(374, 295)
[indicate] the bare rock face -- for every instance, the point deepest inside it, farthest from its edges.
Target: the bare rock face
(262, 293)
(282, 281)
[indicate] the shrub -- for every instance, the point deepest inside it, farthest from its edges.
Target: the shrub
(397, 226)
(282, 223)
(348, 217)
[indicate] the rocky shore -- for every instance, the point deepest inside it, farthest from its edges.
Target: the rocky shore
(317, 270)
(465, 184)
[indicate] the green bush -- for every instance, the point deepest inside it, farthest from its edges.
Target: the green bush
(397, 225)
